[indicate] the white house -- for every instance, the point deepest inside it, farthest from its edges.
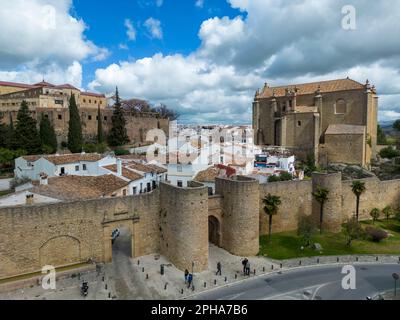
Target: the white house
(90, 164)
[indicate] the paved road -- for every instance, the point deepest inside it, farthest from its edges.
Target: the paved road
(319, 283)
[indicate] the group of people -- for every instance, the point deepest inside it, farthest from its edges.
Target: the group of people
(246, 266)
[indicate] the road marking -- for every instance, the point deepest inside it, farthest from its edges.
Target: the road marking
(297, 291)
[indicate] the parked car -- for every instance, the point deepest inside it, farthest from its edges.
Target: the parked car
(115, 234)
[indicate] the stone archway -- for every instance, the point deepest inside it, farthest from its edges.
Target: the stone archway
(127, 229)
(214, 231)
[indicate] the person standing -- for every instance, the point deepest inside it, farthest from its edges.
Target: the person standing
(219, 269)
(190, 280)
(248, 268)
(186, 275)
(244, 263)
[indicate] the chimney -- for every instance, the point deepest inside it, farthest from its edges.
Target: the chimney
(29, 199)
(44, 180)
(119, 167)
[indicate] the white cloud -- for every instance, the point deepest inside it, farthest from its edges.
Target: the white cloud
(199, 3)
(154, 28)
(268, 42)
(159, 3)
(131, 31)
(51, 73)
(40, 37)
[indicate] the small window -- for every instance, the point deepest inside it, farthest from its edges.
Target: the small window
(59, 117)
(90, 101)
(179, 169)
(46, 116)
(180, 184)
(77, 168)
(105, 118)
(124, 192)
(340, 107)
(299, 123)
(90, 117)
(84, 167)
(134, 190)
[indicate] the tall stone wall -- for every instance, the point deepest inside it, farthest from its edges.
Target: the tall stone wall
(240, 205)
(70, 233)
(136, 126)
(333, 218)
(378, 194)
(184, 225)
(296, 200)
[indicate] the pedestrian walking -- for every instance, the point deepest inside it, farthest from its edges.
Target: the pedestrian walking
(219, 269)
(186, 275)
(190, 280)
(248, 268)
(244, 263)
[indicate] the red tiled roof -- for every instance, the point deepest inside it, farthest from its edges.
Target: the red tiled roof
(16, 85)
(311, 88)
(129, 174)
(91, 94)
(80, 187)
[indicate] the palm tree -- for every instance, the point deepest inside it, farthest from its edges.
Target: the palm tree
(387, 211)
(375, 213)
(358, 188)
(321, 195)
(271, 207)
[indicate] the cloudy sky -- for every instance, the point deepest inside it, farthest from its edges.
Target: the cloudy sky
(205, 58)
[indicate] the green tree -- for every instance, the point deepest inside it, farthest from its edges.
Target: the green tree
(352, 230)
(118, 135)
(396, 125)
(358, 188)
(388, 212)
(6, 133)
(48, 136)
(271, 207)
(8, 156)
(306, 229)
(100, 133)
(381, 136)
(375, 213)
(75, 140)
(26, 134)
(321, 195)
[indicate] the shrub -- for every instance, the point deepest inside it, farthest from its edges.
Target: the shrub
(121, 152)
(375, 213)
(306, 229)
(377, 235)
(388, 212)
(285, 176)
(389, 153)
(274, 179)
(352, 230)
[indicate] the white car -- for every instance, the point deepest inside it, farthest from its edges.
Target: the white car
(115, 234)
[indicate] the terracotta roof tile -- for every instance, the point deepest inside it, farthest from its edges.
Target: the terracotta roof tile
(73, 158)
(311, 88)
(126, 173)
(81, 187)
(146, 168)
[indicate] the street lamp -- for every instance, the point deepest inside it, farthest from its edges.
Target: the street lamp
(396, 278)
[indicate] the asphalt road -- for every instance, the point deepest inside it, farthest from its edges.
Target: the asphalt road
(317, 283)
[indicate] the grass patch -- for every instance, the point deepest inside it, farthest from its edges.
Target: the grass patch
(5, 192)
(287, 245)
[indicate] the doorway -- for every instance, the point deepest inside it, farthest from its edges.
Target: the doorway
(214, 231)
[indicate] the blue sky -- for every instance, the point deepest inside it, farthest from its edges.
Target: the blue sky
(203, 58)
(180, 22)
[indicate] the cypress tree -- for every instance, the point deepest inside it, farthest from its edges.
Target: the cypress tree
(48, 135)
(26, 135)
(118, 135)
(100, 134)
(75, 140)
